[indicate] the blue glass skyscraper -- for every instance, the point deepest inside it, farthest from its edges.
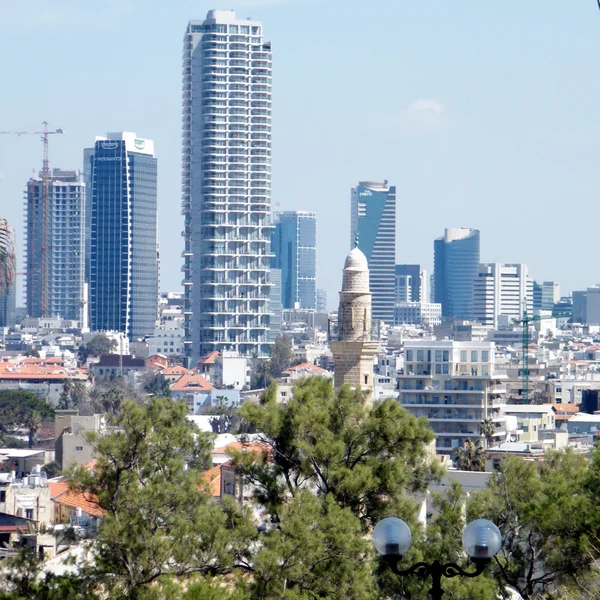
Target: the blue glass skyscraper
(294, 248)
(373, 227)
(455, 268)
(123, 246)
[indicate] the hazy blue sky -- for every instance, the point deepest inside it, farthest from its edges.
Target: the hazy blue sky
(483, 114)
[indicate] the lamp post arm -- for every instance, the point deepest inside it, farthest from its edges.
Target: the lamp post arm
(436, 570)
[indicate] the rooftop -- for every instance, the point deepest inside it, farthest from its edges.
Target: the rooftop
(191, 383)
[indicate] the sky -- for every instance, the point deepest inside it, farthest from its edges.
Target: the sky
(483, 114)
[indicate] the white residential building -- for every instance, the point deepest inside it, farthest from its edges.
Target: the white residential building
(455, 385)
(501, 293)
(417, 313)
(226, 185)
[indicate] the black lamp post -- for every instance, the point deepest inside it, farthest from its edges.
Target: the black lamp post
(481, 541)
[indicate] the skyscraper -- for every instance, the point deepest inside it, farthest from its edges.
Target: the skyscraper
(455, 268)
(66, 249)
(373, 226)
(502, 291)
(411, 284)
(8, 273)
(545, 294)
(294, 248)
(123, 257)
(226, 185)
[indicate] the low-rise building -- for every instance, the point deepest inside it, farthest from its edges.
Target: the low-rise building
(71, 444)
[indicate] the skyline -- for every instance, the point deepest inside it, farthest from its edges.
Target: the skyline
(500, 139)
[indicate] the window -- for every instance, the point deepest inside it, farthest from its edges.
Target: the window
(438, 369)
(29, 513)
(80, 448)
(485, 356)
(3, 496)
(256, 31)
(463, 356)
(445, 369)
(245, 29)
(419, 355)
(446, 357)
(438, 356)
(473, 355)
(233, 29)
(409, 356)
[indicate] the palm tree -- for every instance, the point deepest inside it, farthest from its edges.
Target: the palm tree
(487, 430)
(469, 457)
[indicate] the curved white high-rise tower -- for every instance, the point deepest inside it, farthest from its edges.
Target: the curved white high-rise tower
(226, 185)
(354, 351)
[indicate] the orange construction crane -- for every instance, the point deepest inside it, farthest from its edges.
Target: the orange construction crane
(46, 177)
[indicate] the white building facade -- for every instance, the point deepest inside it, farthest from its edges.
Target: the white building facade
(226, 185)
(501, 293)
(455, 386)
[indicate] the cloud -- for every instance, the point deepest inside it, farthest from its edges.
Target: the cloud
(425, 113)
(427, 106)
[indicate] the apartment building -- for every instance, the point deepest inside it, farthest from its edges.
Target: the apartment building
(455, 385)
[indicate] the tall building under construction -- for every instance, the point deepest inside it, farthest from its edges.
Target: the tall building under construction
(65, 242)
(8, 288)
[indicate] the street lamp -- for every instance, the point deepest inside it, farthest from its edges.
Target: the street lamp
(481, 541)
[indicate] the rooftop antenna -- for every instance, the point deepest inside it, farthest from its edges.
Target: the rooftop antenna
(356, 235)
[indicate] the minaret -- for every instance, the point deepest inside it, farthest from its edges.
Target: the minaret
(354, 351)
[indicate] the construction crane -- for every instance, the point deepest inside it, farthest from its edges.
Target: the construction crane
(46, 178)
(525, 321)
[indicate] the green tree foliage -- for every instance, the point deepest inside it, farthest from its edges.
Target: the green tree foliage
(52, 469)
(73, 394)
(157, 385)
(159, 524)
(281, 356)
(488, 429)
(366, 459)
(469, 457)
(543, 511)
(20, 409)
(99, 344)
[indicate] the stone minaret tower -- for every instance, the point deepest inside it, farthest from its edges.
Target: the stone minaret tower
(354, 351)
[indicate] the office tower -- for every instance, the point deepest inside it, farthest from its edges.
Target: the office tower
(123, 260)
(501, 293)
(226, 185)
(8, 275)
(276, 308)
(354, 350)
(410, 284)
(580, 306)
(545, 295)
(373, 229)
(455, 268)
(456, 386)
(321, 301)
(592, 305)
(294, 249)
(66, 246)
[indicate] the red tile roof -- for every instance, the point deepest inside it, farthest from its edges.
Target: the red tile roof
(87, 503)
(26, 369)
(58, 487)
(191, 383)
(176, 370)
(209, 358)
(248, 448)
(212, 478)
